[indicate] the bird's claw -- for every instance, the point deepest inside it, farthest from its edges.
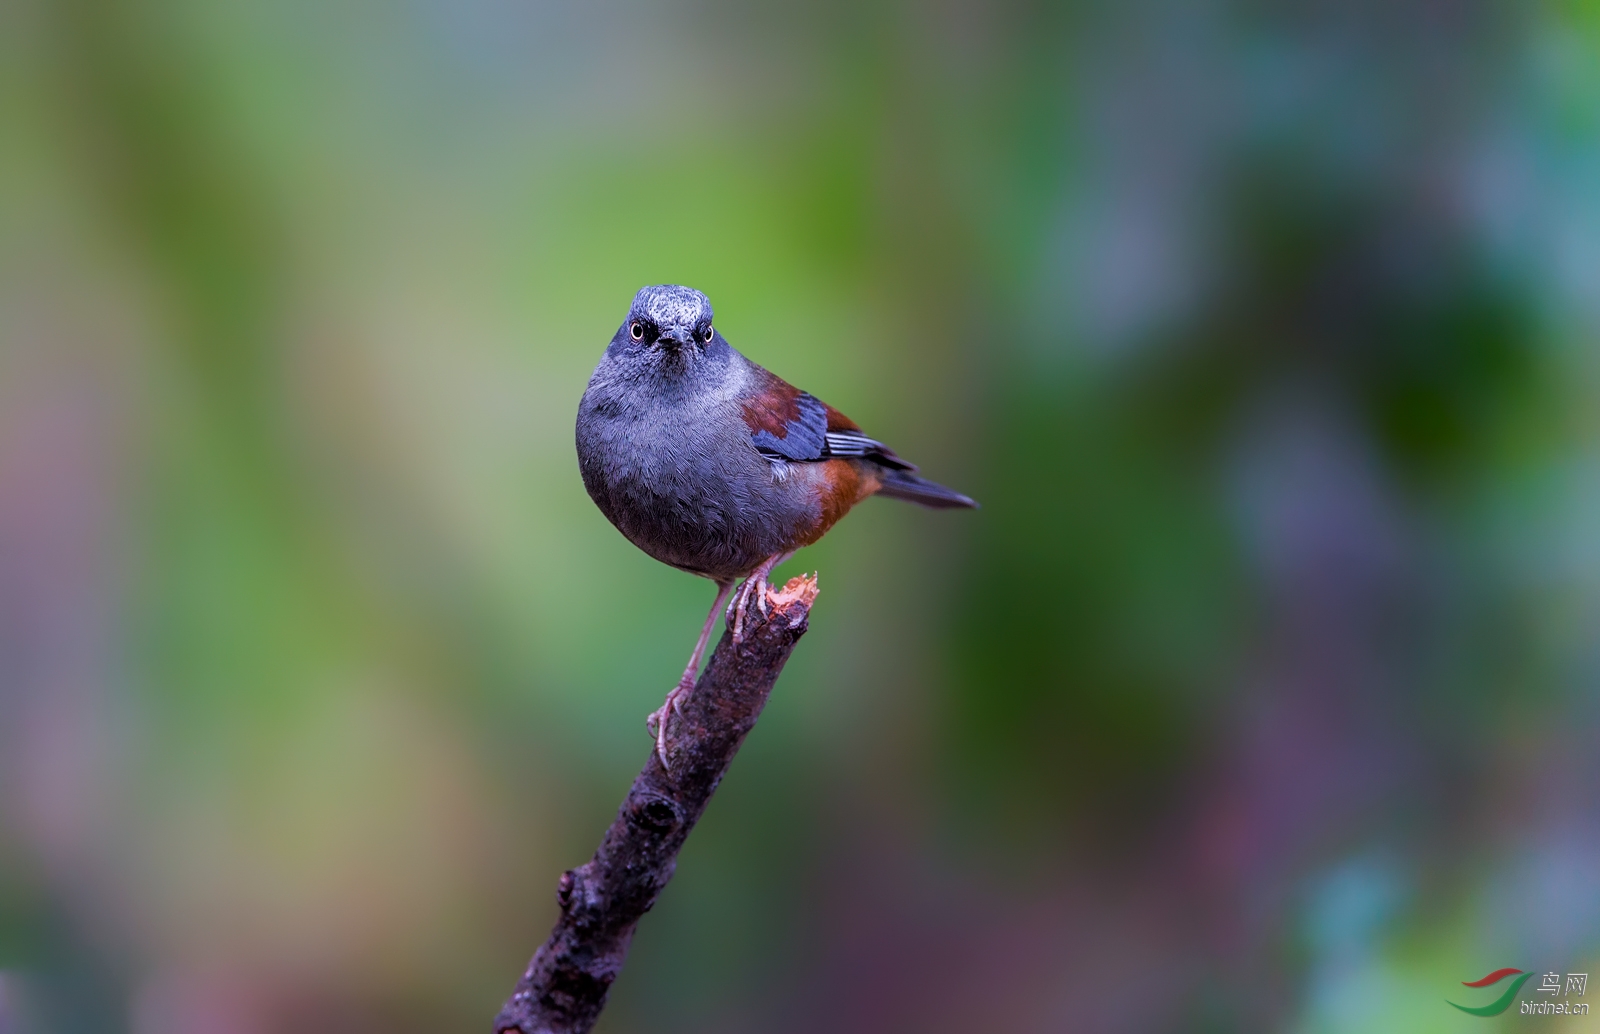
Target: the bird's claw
(754, 586)
(736, 627)
(656, 723)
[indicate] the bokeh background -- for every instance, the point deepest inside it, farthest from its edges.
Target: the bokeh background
(1263, 694)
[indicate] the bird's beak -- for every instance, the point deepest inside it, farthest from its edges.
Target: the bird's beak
(677, 337)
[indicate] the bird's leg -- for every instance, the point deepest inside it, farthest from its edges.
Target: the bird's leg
(657, 722)
(755, 585)
(686, 682)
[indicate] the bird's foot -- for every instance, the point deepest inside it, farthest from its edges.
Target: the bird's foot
(656, 723)
(758, 586)
(755, 585)
(739, 599)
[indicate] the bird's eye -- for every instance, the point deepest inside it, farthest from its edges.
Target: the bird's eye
(637, 330)
(708, 333)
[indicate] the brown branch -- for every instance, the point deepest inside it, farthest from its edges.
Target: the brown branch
(566, 984)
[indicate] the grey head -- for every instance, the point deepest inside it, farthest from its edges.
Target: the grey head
(672, 321)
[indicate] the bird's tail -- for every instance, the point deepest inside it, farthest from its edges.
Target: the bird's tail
(902, 484)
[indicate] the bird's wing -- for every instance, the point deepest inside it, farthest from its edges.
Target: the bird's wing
(789, 424)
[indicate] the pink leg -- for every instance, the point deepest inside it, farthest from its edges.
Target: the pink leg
(755, 585)
(657, 722)
(686, 683)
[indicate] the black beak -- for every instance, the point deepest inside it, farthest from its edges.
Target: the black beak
(677, 337)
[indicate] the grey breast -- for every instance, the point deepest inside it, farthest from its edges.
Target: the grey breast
(671, 464)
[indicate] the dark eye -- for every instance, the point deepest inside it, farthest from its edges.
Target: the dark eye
(708, 333)
(637, 330)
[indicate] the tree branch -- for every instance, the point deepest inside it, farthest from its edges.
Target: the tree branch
(566, 984)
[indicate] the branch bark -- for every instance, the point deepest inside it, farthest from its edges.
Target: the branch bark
(566, 984)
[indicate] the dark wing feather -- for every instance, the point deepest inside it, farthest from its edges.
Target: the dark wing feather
(789, 424)
(802, 437)
(854, 443)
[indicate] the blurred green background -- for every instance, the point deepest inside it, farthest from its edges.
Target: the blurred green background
(1263, 694)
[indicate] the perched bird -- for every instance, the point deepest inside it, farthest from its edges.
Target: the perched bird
(709, 463)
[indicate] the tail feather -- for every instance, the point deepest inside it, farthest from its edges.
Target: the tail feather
(902, 484)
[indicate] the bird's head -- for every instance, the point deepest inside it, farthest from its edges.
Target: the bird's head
(669, 324)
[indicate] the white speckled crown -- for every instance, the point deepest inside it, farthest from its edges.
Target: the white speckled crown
(669, 305)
